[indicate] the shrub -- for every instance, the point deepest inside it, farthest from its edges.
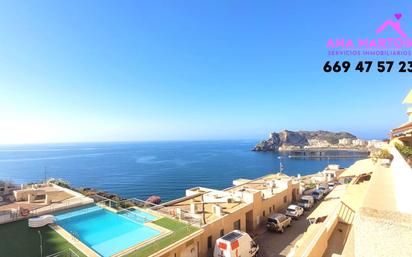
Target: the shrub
(381, 154)
(59, 182)
(311, 185)
(406, 151)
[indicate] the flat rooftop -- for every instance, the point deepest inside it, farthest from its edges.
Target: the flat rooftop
(204, 210)
(258, 184)
(202, 202)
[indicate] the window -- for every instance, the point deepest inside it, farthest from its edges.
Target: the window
(222, 232)
(285, 199)
(273, 208)
(236, 225)
(264, 214)
(209, 242)
(270, 209)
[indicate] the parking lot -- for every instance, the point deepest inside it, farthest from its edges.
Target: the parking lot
(274, 244)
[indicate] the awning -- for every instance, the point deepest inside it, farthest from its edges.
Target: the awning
(404, 128)
(325, 208)
(361, 167)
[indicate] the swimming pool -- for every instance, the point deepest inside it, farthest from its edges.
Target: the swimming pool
(106, 232)
(144, 215)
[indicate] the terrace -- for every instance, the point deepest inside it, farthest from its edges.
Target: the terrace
(21, 240)
(205, 207)
(268, 185)
(38, 199)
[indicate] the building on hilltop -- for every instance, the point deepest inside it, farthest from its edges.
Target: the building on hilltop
(345, 141)
(318, 143)
(359, 142)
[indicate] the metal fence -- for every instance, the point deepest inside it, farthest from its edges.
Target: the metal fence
(125, 206)
(17, 214)
(175, 213)
(122, 208)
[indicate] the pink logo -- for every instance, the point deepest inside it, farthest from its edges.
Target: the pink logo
(361, 46)
(396, 25)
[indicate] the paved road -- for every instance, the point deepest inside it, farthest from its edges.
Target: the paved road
(274, 244)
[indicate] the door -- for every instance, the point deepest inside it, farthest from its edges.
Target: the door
(249, 221)
(294, 195)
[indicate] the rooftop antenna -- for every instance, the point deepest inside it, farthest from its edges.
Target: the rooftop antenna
(45, 174)
(281, 166)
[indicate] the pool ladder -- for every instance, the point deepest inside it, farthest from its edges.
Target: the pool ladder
(75, 235)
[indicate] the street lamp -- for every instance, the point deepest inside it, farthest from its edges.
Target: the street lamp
(41, 244)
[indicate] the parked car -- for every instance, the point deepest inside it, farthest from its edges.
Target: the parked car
(331, 185)
(294, 211)
(278, 222)
(317, 195)
(235, 243)
(325, 189)
(306, 202)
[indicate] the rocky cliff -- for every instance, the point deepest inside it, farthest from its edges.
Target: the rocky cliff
(299, 139)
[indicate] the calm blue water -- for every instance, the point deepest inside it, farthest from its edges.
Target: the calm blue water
(142, 169)
(104, 231)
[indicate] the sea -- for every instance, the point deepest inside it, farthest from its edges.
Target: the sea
(141, 169)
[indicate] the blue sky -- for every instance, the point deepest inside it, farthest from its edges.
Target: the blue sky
(173, 70)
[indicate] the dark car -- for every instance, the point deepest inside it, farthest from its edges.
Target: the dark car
(278, 222)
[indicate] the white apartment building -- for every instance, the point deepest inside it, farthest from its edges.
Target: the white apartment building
(345, 141)
(359, 142)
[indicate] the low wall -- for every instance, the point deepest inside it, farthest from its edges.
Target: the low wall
(384, 224)
(322, 239)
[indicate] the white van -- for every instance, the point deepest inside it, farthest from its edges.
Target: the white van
(306, 202)
(236, 243)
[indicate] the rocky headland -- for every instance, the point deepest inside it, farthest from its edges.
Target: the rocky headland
(289, 140)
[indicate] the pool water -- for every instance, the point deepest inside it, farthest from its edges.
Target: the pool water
(106, 232)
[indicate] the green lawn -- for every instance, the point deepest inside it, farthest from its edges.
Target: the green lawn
(180, 230)
(18, 240)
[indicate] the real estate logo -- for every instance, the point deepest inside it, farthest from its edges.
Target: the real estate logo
(395, 25)
(399, 45)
